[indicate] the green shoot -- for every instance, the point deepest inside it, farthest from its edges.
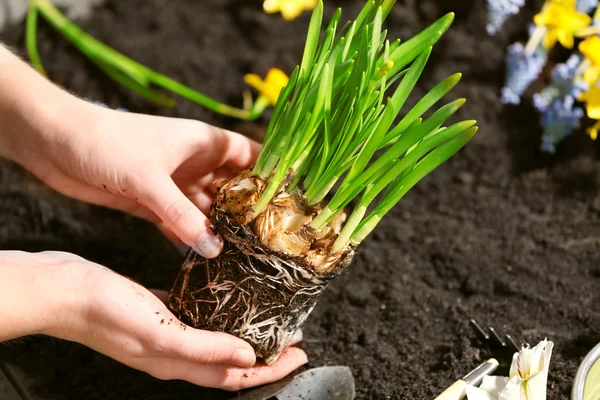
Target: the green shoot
(336, 114)
(122, 69)
(31, 43)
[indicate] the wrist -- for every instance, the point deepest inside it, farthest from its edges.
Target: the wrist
(33, 111)
(67, 291)
(40, 293)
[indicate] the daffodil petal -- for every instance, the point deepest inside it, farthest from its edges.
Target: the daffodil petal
(566, 38)
(580, 21)
(277, 77)
(593, 131)
(254, 81)
(550, 39)
(590, 48)
(291, 10)
(271, 6)
(540, 19)
(593, 110)
(591, 76)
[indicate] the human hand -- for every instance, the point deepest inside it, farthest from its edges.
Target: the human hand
(92, 305)
(161, 169)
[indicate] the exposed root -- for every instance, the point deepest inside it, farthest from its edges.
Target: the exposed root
(254, 290)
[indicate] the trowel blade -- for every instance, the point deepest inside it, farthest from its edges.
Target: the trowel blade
(322, 383)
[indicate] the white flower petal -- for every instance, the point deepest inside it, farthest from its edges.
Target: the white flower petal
(529, 373)
(513, 391)
(531, 361)
(474, 393)
(494, 384)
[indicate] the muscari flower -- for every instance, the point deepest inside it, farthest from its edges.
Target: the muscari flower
(590, 48)
(499, 11)
(527, 380)
(559, 120)
(592, 100)
(289, 9)
(521, 70)
(586, 6)
(565, 82)
(561, 21)
(270, 88)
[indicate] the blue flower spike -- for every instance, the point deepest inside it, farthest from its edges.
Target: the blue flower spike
(559, 120)
(567, 80)
(499, 11)
(586, 6)
(521, 69)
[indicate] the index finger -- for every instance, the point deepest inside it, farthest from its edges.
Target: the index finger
(240, 152)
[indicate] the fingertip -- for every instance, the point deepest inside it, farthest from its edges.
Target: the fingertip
(208, 245)
(291, 358)
(244, 358)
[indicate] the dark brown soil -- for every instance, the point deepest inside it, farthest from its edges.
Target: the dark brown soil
(501, 233)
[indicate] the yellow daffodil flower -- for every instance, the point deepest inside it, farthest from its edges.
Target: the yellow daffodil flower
(593, 131)
(270, 88)
(561, 21)
(289, 9)
(592, 105)
(592, 100)
(590, 48)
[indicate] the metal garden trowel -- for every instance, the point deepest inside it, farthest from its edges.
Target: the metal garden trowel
(322, 383)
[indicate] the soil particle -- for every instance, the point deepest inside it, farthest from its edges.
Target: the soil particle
(501, 233)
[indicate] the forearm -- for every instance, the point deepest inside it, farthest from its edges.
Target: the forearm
(36, 297)
(31, 109)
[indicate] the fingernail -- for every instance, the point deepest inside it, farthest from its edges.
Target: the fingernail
(303, 359)
(208, 246)
(244, 358)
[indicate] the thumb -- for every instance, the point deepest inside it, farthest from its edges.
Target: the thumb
(180, 215)
(205, 347)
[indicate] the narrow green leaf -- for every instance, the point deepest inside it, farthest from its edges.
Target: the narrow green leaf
(422, 169)
(432, 97)
(312, 39)
(387, 6)
(410, 80)
(403, 56)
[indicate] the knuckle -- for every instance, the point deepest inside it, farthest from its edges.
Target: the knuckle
(209, 355)
(134, 349)
(158, 343)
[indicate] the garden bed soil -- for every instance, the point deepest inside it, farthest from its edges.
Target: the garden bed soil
(501, 233)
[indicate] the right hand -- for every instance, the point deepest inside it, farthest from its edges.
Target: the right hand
(92, 305)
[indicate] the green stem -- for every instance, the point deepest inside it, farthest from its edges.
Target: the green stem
(132, 85)
(31, 39)
(135, 72)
